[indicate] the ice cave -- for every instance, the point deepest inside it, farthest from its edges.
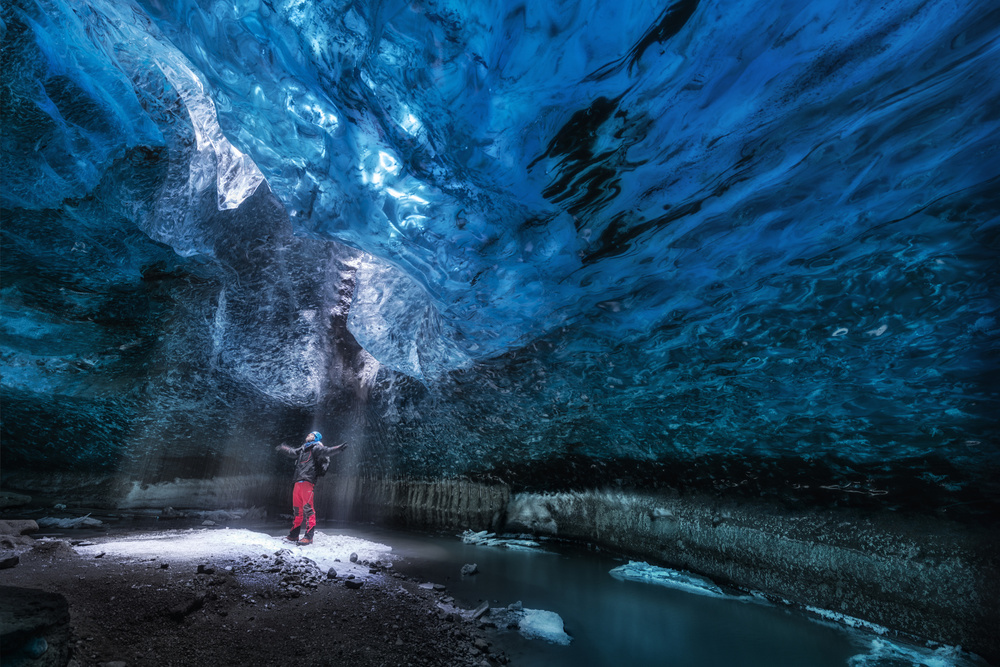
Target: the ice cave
(659, 333)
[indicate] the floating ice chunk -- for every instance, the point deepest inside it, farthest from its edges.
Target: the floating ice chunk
(547, 625)
(883, 653)
(486, 539)
(644, 572)
(78, 522)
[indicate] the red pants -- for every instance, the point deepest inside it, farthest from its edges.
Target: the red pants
(302, 505)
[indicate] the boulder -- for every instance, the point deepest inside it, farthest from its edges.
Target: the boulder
(17, 526)
(470, 569)
(34, 627)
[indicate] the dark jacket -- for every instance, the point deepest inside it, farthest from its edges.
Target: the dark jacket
(309, 461)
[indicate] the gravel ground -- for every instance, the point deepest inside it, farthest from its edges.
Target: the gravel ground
(261, 606)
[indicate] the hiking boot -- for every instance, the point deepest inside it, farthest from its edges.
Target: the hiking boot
(293, 535)
(308, 537)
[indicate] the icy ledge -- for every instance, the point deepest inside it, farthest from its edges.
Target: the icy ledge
(650, 574)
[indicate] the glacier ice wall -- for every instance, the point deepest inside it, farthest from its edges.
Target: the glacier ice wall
(576, 231)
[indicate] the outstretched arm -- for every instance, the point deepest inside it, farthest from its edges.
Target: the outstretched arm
(286, 450)
(333, 450)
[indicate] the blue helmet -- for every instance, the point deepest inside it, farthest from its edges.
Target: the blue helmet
(317, 436)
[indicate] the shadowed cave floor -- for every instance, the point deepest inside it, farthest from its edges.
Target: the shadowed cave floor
(126, 613)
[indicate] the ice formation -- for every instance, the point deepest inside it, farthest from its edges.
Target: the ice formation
(569, 240)
(684, 581)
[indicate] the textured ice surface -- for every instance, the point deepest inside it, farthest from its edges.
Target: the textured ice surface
(618, 231)
(540, 624)
(644, 572)
(883, 653)
(487, 539)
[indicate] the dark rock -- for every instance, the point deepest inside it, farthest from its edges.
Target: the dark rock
(354, 583)
(9, 561)
(164, 566)
(331, 573)
(17, 526)
(481, 645)
(206, 569)
(469, 569)
(517, 606)
(34, 626)
(100, 555)
(354, 557)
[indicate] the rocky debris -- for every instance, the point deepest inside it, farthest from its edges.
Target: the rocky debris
(206, 568)
(515, 606)
(331, 573)
(34, 627)
(180, 611)
(354, 583)
(208, 522)
(50, 549)
(354, 557)
(9, 562)
(470, 569)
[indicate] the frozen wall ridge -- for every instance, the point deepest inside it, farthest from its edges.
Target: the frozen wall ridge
(235, 174)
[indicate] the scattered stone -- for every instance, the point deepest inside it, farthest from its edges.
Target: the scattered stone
(205, 568)
(208, 522)
(164, 566)
(470, 569)
(331, 573)
(100, 555)
(517, 606)
(481, 645)
(59, 506)
(481, 610)
(354, 557)
(9, 562)
(354, 583)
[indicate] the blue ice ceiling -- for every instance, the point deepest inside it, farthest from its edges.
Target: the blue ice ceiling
(636, 229)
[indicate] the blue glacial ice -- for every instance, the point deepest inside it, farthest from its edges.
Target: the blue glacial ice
(541, 624)
(534, 230)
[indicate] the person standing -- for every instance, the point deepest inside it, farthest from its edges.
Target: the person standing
(311, 462)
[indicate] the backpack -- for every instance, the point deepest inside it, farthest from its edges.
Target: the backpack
(322, 464)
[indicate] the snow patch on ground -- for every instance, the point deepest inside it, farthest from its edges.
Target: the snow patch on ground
(201, 545)
(540, 624)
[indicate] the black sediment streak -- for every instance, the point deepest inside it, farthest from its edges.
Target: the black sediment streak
(669, 23)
